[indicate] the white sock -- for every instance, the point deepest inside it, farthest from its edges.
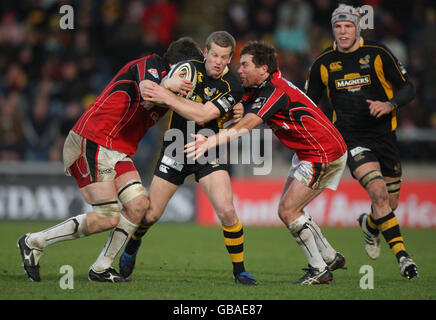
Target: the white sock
(324, 247)
(305, 239)
(73, 228)
(117, 239)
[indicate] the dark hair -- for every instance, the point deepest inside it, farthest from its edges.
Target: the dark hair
(222, 39)
(182, 49)
(263, 54)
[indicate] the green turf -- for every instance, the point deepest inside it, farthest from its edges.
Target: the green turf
(186, 261)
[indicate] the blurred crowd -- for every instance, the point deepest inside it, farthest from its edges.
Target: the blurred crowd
(48, 75)
(301, 30)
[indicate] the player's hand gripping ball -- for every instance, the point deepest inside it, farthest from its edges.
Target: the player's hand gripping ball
(190, 73)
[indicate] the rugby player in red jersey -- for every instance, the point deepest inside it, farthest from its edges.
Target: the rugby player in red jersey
(97, 153)
(320, 151)
(216, 93)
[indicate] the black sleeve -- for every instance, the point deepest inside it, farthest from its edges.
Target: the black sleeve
(226, 98)
(269, 102)
(314, 86)
(151, 68)
(404, 95)
(397, 75)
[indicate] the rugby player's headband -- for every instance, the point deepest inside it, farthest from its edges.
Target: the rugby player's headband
(346, 13)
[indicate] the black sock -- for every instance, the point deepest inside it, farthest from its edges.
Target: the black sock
(135, 241)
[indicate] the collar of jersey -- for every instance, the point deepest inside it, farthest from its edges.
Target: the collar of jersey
(226, 69)
(275, 75)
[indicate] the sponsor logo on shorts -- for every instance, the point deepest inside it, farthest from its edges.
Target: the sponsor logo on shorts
(105, 171)
(172, 163)
(215, 163)
(357, 150)
(163, 168)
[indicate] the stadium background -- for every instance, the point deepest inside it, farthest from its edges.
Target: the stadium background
(48, 76)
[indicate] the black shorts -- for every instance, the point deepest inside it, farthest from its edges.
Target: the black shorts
(382, 149)
(175, 172)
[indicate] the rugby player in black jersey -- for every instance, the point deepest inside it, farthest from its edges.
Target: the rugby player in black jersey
(359, 77)
(216, 93)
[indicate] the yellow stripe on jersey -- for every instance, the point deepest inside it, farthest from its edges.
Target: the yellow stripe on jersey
(325, 78)
(390, 55)
(171, 119)
(378, 66)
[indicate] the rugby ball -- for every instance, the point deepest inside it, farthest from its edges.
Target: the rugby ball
(190, 74)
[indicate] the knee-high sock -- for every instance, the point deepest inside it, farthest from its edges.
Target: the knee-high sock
(324, 247)
(73, 228)
(117, 238)
(306, 240)
(389, 227)
(135, 241)
(371, 225)
(234, 241)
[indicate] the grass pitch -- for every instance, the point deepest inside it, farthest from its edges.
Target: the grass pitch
(190, 262)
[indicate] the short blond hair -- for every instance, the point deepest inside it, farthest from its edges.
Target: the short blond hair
(222, 39)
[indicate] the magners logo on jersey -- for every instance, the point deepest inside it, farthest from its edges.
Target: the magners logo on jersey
(352, 81)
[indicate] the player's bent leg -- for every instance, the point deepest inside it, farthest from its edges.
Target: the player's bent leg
(294, 198)
(393, 185)
(384, 219)
(370, 178)
(31, 245)
(334, 260)
(218, 188)
(135, 202)
(408, 267)
(161, 192)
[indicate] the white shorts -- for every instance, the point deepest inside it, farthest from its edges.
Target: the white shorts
(317, 175)
(89, 162)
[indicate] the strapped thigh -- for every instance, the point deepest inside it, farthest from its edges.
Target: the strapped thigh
(394, 186)
(130, 190)
(370, 177)
(107, 208)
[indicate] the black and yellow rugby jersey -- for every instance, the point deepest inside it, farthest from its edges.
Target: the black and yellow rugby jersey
(371, 72)
(224, 93)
